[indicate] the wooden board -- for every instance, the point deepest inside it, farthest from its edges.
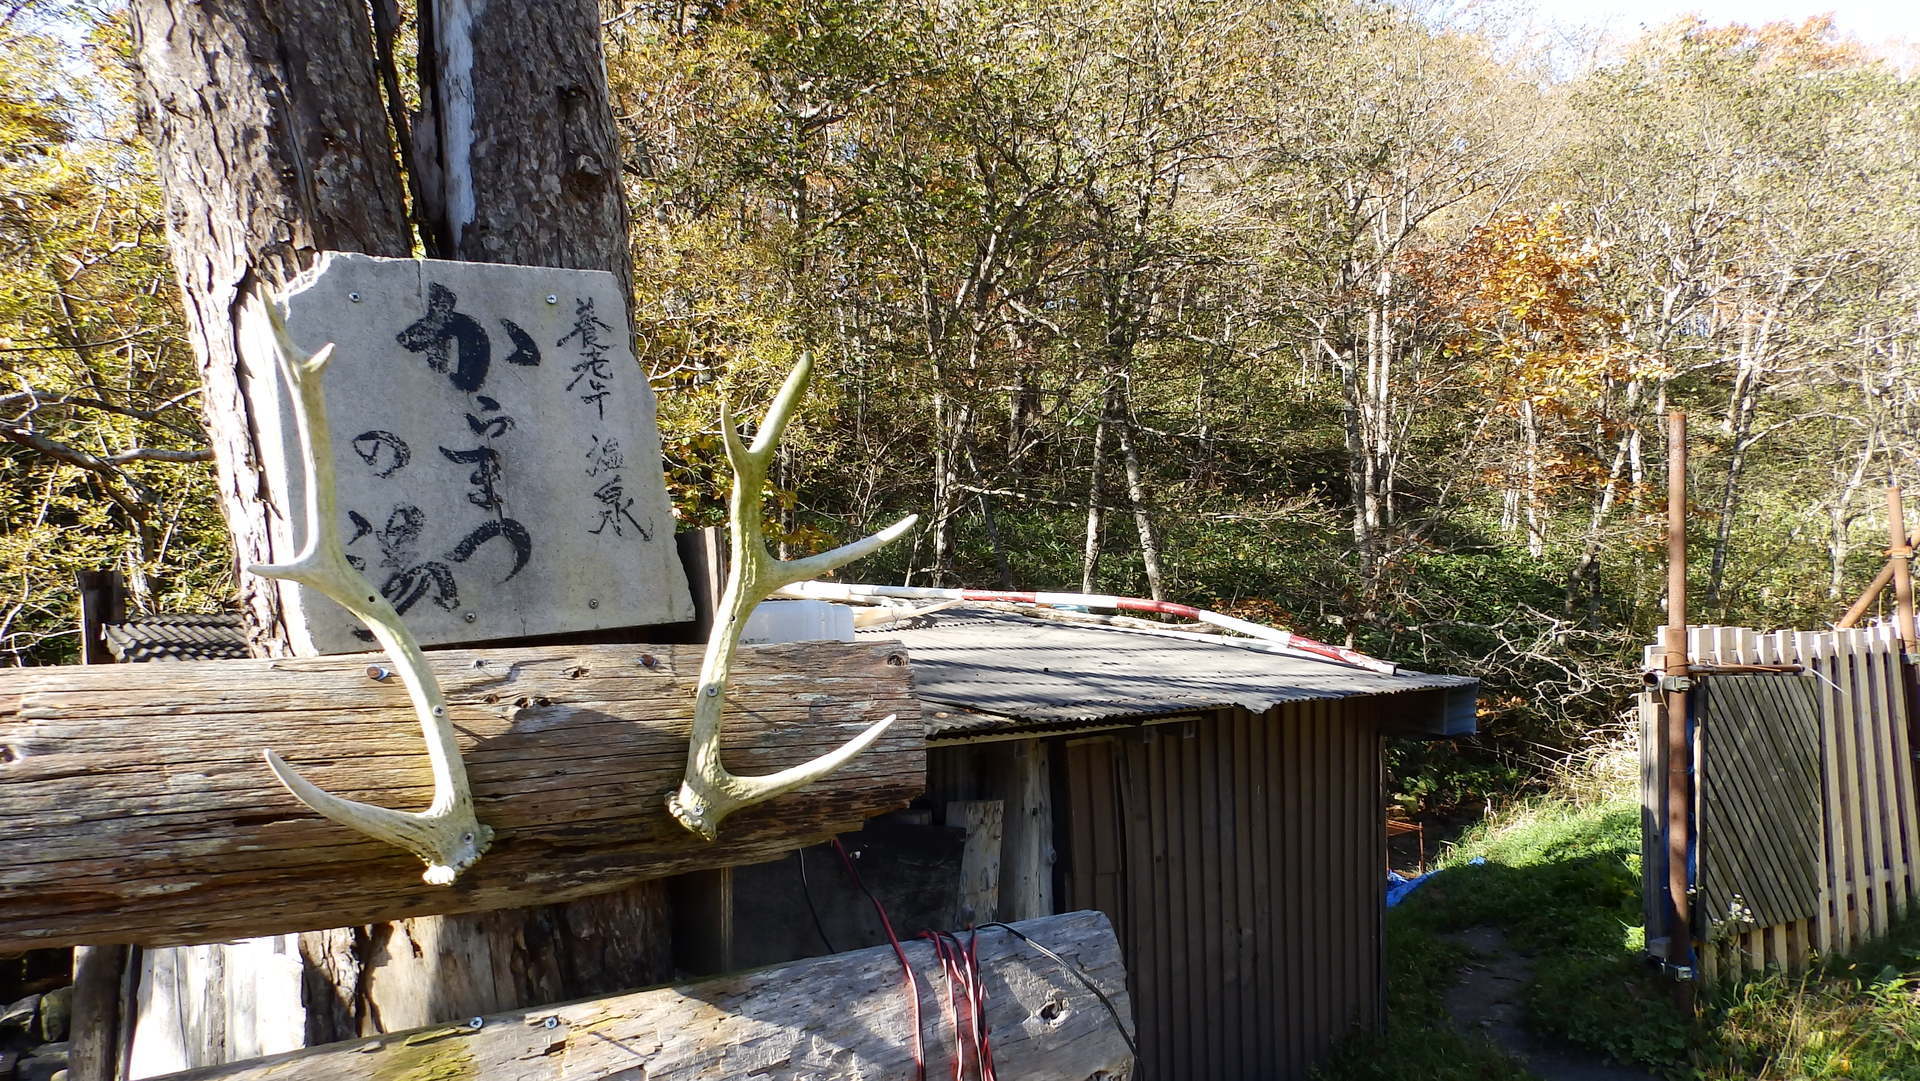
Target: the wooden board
(134, 805)
(843, 1016)
(1759, 780)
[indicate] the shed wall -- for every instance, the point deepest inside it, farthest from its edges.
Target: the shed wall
(1240, 859)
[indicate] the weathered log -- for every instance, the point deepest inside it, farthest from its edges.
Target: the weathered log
(843, 1016)
(134, 806)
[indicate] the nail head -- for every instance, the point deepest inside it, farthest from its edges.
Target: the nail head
(593, 602)
(478, 1022)
(355, 297)
(469, 617)
(552, 299)
(551, 1022)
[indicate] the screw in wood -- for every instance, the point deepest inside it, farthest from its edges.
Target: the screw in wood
(476, 1023)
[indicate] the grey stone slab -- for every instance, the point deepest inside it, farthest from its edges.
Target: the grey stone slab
(495, 450)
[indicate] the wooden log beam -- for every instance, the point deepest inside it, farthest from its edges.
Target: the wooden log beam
(843, 1016)
(134, 805)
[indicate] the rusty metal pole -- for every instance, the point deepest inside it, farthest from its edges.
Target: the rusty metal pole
(1679, 794)
(1900, 556)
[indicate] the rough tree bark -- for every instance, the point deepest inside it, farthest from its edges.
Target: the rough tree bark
(1090, 556)
(271, 143)
(1142, 515)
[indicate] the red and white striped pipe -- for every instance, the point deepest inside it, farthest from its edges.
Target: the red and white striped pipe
(1283, 639)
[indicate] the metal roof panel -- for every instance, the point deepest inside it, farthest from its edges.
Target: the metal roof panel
(998, 671)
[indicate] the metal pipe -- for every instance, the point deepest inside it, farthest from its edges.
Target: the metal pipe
(1900, 557)
(1867, 597)
(1674, 720)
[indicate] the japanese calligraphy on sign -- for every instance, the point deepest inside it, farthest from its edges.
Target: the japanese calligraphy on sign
(495, 452)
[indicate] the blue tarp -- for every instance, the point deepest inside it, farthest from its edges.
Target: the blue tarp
(1399, 885)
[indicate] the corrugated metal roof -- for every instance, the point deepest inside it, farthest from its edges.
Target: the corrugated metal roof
(1001, 672)
(177, 636)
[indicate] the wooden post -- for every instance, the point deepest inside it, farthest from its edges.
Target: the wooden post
(1026, 874)
(822, 1019)
(1867, 597)
(1900, 557)
(103, 600)
(99, 992)
(1679, 752)
(980, 859)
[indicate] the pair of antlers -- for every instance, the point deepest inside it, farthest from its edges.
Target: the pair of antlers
(447, 836)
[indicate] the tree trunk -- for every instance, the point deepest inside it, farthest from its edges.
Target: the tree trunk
(520, 164)
(292, 83)
(518, 142)
(1090, 556)
(271, 140)
(1142, 517)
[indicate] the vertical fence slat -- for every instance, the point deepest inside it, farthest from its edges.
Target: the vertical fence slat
(1803, 648)
(1909, 813)
(1896, 773)
(1868, 719)
(1846, 795)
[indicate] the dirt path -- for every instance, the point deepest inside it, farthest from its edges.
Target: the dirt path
(1487, 1001)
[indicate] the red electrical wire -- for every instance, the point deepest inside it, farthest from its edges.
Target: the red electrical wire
(950, 965)
(980, 1007)
(913, 986)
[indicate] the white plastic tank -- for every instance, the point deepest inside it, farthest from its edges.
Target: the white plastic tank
(798, 621)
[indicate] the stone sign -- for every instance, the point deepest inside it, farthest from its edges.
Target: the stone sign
(495, 451)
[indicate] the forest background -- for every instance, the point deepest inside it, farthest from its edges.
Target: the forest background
(1353, 317)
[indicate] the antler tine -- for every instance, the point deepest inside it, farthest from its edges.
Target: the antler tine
(446, 836)
(709, 793)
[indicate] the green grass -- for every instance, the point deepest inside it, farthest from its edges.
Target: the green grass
(1561, 878)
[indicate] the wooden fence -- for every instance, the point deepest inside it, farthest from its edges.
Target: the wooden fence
(1865, 839)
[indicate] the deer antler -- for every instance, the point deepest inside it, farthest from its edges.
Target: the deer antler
(446, 835)
(709, 793)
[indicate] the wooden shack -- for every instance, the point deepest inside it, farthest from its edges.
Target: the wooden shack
(1223, 805)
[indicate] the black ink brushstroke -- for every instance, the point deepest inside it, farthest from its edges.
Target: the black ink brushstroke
(433, 332)
(491, 427)
(487, 470)
(367, 445)
(525, 353)
(361, 527)
(404, 525)
(515, 533)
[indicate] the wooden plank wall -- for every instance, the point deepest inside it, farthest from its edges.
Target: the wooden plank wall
(1870, 826)
(1239, 857)
(1759, 798)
